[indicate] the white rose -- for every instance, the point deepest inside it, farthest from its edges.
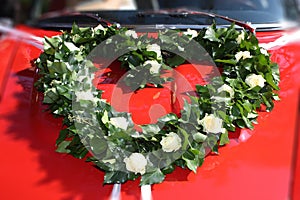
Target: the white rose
(155, 66)
(264, 52)
(255, 80)
(242, 54)
(240, 37)
(131, 33)
(136, 163)
(191, 33)
(119, 122)
(171, 142)
(212, 124)
(155, 48)
(84, 95)
(226, 88)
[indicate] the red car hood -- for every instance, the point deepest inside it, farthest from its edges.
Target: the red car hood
(258, 164)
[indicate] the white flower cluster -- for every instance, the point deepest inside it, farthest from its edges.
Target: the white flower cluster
(136, 163)
(99, 27)
(155, 66)
(226, 88)
(131, 33)
(212, 124)
(242, 54)
(171, 142)
(191, 33)
(253, 80)
(264, 51)
(120, 122)
(240, 37)
(155, 48)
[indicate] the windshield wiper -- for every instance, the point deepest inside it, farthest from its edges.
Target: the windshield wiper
(62, 21)
(186, 13)
(148, 20)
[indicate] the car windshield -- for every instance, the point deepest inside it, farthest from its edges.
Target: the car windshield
(262, 14)
(256, 11)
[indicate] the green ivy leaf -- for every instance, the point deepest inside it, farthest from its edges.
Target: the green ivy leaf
(175, 61)
(169, 169)
(186, 112)
(52, 44)
(115, 177)
(50, 96)
(192, 165)
(199, 137)
(270, 80)
(192, 161)
(58, 67)
(98, 145)
(150, 130)
(212, 142)
(168, 118)
(224, 138)
(62, 147)
(152, 177)
(210, 34)
(63, 134)
(231, 61)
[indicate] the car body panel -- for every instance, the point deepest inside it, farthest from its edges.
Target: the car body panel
(257, 164)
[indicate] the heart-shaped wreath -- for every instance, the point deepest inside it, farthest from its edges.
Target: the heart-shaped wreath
(247, 82)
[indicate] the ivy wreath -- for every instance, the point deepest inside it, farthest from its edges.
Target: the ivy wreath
(248, 81)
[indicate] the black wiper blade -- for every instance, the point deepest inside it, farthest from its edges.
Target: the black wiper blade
(185, 13)
(62, 21)
(144, 20)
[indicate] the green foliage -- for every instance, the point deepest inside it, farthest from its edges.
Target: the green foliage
(114, 137)
(156, 176)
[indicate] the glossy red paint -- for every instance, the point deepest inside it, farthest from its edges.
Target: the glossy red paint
(259, 164)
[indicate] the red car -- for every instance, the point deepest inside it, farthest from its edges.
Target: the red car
(259, 162)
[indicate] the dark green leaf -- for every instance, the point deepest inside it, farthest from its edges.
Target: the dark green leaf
(270, 80)
(188, 155)
(167, 118)
(150, 129)
(199, 137)
(98, 145)
(63, 134)
(62, 147)
(115, 177)
(231, 62)
(50, 96)
(169, 169)
(192, 165)
(152, 177)
(191, 159)
(175, 61)
(224, 138)
(58, 67)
